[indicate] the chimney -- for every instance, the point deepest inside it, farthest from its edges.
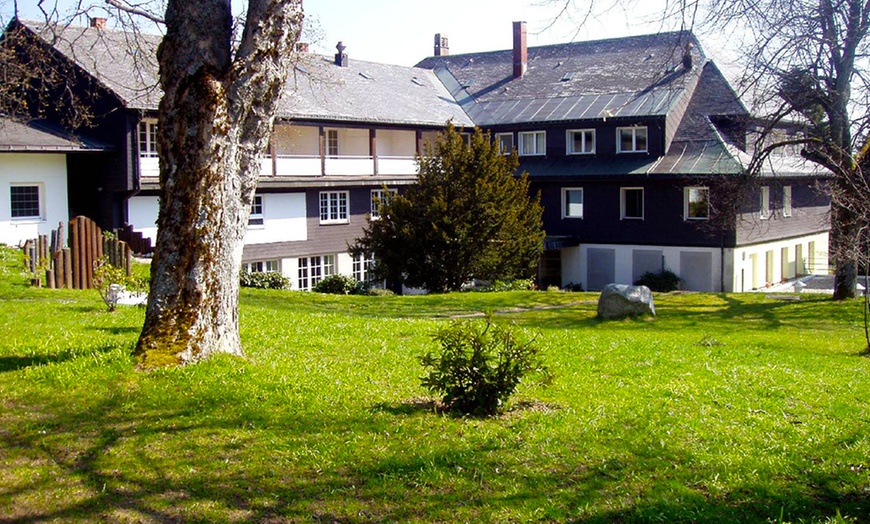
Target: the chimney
(98, 23)
(687, 56)
(521, 52)
(341, 56)
(441, 47)
(302, 47)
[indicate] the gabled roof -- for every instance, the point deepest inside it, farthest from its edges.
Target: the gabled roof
(370, 92)
(36, 136)
(124, 62)
(614, 78)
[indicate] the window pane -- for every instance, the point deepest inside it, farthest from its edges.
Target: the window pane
(699, 204)
(505, 143)
(574, 203)
(539, 142)
(25, 201)
(633, 203)
(640, 139)
(626, 140)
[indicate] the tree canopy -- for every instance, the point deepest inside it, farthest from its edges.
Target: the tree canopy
(467, 217)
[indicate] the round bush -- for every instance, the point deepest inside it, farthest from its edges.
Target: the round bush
(337, 285)
(661, 282)
(479, 366)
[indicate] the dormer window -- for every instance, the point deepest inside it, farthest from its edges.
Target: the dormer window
(581, 141)
(533, 143)
(631, 139)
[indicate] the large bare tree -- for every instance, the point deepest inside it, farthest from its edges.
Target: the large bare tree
(214, 123)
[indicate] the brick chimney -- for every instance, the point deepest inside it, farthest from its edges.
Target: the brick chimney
(521, 51)
(341, 56)
(441, 47)
(302, 47)
(98, 23)
(687, 55)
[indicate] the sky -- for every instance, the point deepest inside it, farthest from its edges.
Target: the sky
(402, 31)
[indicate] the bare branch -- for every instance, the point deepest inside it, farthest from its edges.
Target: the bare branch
(117, 4)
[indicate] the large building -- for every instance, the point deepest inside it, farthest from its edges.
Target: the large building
(634, 143)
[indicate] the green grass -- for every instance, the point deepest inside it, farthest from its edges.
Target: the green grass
(725, 408)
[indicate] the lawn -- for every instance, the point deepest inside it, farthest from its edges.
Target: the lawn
(725, 408)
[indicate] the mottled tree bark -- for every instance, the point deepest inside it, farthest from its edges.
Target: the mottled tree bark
(214, 123)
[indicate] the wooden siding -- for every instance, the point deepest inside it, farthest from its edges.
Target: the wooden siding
(662, 224)
(605, 137)
(810, 214)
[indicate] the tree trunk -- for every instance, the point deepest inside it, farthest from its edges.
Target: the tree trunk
(844, 248)
(214, 123)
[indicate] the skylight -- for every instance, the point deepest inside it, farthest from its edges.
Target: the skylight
(568, 76)
(366, 75)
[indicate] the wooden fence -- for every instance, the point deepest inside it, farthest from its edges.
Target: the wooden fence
(73, 267)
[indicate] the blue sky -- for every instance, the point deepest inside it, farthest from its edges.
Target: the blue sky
(402, 31)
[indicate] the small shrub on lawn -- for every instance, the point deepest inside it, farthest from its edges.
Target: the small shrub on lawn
(479, 366)
(267, 280)
(338, 285)
(519, 284)
(663, 281)
(110, 280)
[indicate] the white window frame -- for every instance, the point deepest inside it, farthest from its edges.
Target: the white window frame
(40, 202)
(380, 195)
(566, 208)
(634, 134)
(538, 142)
(361, 266)
(147, 134)
(623, 191)
(587, 136)
(334, 207)
(786, 201)
(332, 150)
(764, 203)
(257, 217)
(503, 148)
(687, 201)
(313, 269)
(263, 266)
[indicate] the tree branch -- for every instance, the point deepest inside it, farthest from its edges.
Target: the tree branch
(133, 11)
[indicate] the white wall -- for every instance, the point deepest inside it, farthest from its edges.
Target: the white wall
(142, 215)
(296, 140)
(394, 142)
(745, 268)
(761, 265)
(48, 171)
(283, 214)
(575, 266)
(283, 219)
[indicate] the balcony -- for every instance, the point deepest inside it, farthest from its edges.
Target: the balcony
(350, 165)
(397, 165)
(149, 167)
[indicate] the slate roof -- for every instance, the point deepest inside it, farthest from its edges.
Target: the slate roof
(123, 62)
(126, 64)
(621, 77)
(368, 92)
(35, 136)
